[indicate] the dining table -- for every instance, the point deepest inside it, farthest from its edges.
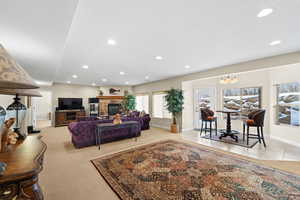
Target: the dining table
(228, 131)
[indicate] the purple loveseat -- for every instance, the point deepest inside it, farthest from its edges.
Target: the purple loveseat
(83, 132)
(145, 119)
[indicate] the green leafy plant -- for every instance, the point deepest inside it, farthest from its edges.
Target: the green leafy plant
(175, 102)
(129, 103)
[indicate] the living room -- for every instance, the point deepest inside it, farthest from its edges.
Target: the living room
(149, 100)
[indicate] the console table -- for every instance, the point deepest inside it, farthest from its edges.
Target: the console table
(133, 125)
(24, 163)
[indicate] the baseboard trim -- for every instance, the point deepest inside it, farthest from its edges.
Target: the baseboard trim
(188, 129)
(160, 126)
(285, 140)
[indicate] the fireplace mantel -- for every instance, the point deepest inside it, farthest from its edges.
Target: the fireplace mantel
(110, 97)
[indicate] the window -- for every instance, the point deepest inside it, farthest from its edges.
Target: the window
(243, 100)
(159, 108)
(288, 103)
(203, 98)
(142, 103)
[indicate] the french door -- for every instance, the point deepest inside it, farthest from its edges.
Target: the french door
(203, 98)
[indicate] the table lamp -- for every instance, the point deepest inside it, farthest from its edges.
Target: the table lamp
(18, 110)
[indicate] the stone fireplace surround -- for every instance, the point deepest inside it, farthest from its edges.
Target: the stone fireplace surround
(104, 101)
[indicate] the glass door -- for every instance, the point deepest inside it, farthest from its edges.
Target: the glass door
(203, 98)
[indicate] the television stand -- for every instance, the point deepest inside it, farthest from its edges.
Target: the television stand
(64, 117)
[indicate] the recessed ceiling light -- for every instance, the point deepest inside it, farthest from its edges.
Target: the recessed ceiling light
(122, 73)
(187, 66)
(146, 77)
(104, 79)
(75, 76)
(276, 42)
(158, 57)
(126, 82)
(85, 67)
(111, 42)
(68, 82)
(265, 12)
(93, 84)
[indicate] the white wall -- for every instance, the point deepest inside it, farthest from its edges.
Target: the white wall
(267, 79)
(176, 82)
(286, 133)
(246, 79)
(43, 105)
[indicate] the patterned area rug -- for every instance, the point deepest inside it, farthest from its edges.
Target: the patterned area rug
(179, 171)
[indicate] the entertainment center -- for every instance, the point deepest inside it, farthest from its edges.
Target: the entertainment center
(64, 117)
(68, 110)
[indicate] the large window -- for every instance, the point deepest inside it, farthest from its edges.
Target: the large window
(142, 103)
(159, 106)
(243, 100)
(288, 103)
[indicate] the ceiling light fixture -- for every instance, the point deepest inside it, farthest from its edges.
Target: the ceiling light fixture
(85, 67)
(104, 80)
(264, 12)
(111, 42)
(146, 77)
(74, 76)
(122, 73)
(187, 66)
(229, 79)
(158, 57)
(276, 42)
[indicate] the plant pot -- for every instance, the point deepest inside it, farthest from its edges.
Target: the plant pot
(174, 128)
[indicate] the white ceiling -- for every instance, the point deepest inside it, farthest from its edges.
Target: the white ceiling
(53, 39)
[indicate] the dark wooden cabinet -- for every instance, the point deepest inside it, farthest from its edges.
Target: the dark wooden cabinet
(24, 163)
(64, 117)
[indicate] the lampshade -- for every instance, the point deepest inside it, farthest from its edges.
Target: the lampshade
(12, 75)
(21, 92)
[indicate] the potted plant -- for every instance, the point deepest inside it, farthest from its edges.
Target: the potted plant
(174, 99)
(128, 103)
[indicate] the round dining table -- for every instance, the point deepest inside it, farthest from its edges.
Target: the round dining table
(228, 131)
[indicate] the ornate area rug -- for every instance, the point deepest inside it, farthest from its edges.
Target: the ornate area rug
(179, 171)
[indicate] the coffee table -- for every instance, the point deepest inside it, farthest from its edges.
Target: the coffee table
(133, 125)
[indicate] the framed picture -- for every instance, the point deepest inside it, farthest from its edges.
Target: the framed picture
(114, 91)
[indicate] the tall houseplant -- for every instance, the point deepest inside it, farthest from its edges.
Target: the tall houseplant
(129, 103)
(175, 100)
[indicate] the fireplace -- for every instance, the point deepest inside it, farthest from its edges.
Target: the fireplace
(113, 108)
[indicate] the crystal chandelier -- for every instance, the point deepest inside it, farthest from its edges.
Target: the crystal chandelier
(229, 79)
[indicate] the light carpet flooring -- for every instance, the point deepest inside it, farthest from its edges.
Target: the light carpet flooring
(69, 175)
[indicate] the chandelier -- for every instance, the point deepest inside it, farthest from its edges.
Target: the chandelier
(229, 79)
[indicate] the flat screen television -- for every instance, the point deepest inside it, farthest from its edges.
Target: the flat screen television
(69, 103)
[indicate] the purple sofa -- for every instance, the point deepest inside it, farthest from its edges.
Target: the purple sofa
(145, 119)
(83, 132)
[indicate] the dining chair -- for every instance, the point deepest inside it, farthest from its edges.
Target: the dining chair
(207, 116)
(255, 119)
